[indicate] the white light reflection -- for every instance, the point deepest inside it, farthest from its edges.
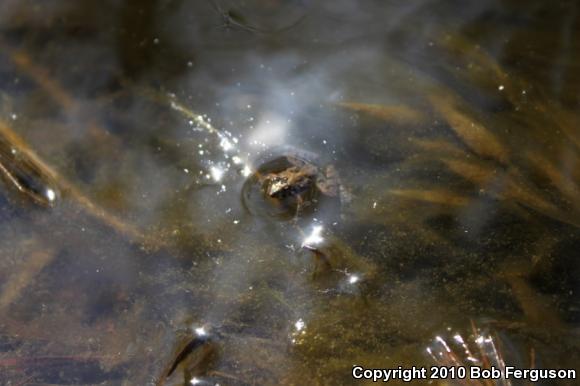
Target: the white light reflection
(299, 325)
(314, 238)
(225, 144)
(196, 381)
(271, 130)
(478, 349)
(353, 279)
(216, 173)
(299, 333)
(200, 331)
(50, 194)
(246, 171)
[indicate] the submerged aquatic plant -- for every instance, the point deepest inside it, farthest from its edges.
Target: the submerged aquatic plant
(503, 154)
(377, 298)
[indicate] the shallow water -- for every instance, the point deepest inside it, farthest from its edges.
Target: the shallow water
(130, 128)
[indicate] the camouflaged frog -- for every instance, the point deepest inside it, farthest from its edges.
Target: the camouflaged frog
(298, 181)
(290, 182)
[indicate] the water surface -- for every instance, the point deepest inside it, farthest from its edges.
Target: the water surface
(133, 126)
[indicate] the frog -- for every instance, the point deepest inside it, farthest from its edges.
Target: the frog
(300, 181)
(290, 182)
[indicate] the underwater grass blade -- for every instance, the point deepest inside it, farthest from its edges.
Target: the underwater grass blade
(475, 135)
(435, 196)
(400, 115)
(68, 189)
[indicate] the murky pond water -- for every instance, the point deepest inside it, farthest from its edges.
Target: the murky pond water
(272, 192)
